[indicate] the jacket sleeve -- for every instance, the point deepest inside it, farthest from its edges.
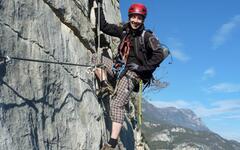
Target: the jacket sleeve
(156, 57)
(107, 28)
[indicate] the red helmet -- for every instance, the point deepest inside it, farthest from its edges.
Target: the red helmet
(137, 9)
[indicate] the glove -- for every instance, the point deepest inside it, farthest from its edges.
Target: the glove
(133, 66)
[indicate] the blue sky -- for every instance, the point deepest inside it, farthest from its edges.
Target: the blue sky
(204, 38)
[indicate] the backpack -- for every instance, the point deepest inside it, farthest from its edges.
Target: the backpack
(165, 51)
(164, 48)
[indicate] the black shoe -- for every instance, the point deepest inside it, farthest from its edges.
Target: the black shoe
(107, 146)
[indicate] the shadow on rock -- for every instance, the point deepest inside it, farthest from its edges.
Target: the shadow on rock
(2, 70)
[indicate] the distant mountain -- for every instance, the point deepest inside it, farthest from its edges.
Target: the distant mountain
(171, 115)
(180, 129)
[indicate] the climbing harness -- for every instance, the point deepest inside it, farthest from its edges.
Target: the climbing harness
(119, 69)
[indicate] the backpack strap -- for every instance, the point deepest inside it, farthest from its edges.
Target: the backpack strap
(142, 40)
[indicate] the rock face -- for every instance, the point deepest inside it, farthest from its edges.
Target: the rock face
(47, 106)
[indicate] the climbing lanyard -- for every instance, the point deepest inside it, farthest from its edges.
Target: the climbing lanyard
(124, 48)
(140, 104)
(98, 44)
(99, 55)
(119, 67)
(98, 31)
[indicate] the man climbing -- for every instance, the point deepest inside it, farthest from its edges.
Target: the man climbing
(139, 54)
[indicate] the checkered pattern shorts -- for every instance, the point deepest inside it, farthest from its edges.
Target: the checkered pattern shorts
(124, 88)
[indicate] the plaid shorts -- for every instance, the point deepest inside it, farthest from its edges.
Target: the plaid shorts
(124, 88)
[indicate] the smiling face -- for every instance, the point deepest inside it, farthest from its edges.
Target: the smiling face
(136, 21)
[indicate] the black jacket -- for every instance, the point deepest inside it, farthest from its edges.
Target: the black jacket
(148, 58)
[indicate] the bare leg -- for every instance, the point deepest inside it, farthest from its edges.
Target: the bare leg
(101, 74)
(116, 128)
